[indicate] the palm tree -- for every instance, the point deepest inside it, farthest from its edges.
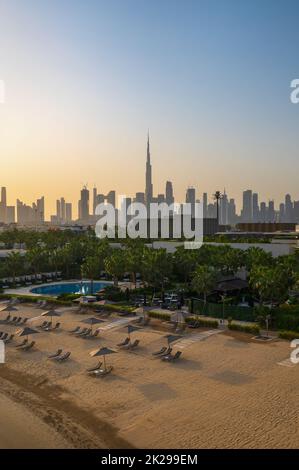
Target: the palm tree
(217, 196)
(14, 264)
(134, 253)
(157, 266)
(91, 269)
(36, 257)
(204, 280)
(115, 265)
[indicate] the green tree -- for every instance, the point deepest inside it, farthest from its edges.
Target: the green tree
(14, 264)
(91, 268)
(115, 265)
(204, 280)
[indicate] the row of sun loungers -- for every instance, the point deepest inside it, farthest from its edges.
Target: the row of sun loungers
(165, 354)
(126, 344)
(18, 321)
(84, 333)
(98, 371)
(6, 337)
(25, 346)
(60, 356)
(29, 279)
(47, 326)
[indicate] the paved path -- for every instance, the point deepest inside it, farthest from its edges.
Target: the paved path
(189, 340)
(116, 324)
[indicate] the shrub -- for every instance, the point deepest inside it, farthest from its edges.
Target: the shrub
(160, 315)
(290, 335)
(252, 329)
(33, 299)
(69, 296)
(114, 308)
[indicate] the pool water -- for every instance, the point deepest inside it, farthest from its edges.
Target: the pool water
(83, 288)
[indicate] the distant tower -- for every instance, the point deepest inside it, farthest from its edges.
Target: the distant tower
(95, 193)
(148, 176)
(169, 193)
(84, 204)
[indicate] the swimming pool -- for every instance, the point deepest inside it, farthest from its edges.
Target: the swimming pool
(79, 287)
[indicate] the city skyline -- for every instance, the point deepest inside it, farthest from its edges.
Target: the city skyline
(253, 209)
(212, 86)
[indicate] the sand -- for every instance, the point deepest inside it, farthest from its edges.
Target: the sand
(226, 391)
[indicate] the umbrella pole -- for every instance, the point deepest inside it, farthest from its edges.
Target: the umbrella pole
(105, 362)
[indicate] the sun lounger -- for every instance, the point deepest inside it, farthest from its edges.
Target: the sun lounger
(47, 326)
(97, 367)
(8, 340)
(82, 332)
(92, 335)
(13, 320)
(85, 334)
(4, 336)
(166, 353)
(62, 357)
(43, 325)
(162, 350)
(1, 334)
(124, 343)
(27, 347)
(135, 344)
(50, 328)
(58, 352)
(7, 319)
(171, 358)
(102, 372)
(76, 330)
(24, 342)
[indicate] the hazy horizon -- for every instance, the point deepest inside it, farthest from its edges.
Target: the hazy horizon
(210, 79)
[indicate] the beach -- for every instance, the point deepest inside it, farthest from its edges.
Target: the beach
(225, 391)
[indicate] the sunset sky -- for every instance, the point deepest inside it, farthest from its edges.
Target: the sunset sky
(210, 79)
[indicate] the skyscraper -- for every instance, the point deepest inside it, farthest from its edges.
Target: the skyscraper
(148, 176)
(255, 207)
(95, 194)
(84, 205)
(205, 204)
(191, 199)
(247, 206)
(3, 205)
(169, 198)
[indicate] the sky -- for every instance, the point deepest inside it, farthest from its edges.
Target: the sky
(210, 79)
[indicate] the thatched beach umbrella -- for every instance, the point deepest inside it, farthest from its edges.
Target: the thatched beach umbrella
(26, 332)
(51, 313)
(92, 321)
(10, 308)
(132, 328)
(103, 352)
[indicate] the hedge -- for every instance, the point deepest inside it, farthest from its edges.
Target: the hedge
(216, 310)
(252, 329)
(160, 315)
(113, 307)
(33, 299)
(290, 335)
